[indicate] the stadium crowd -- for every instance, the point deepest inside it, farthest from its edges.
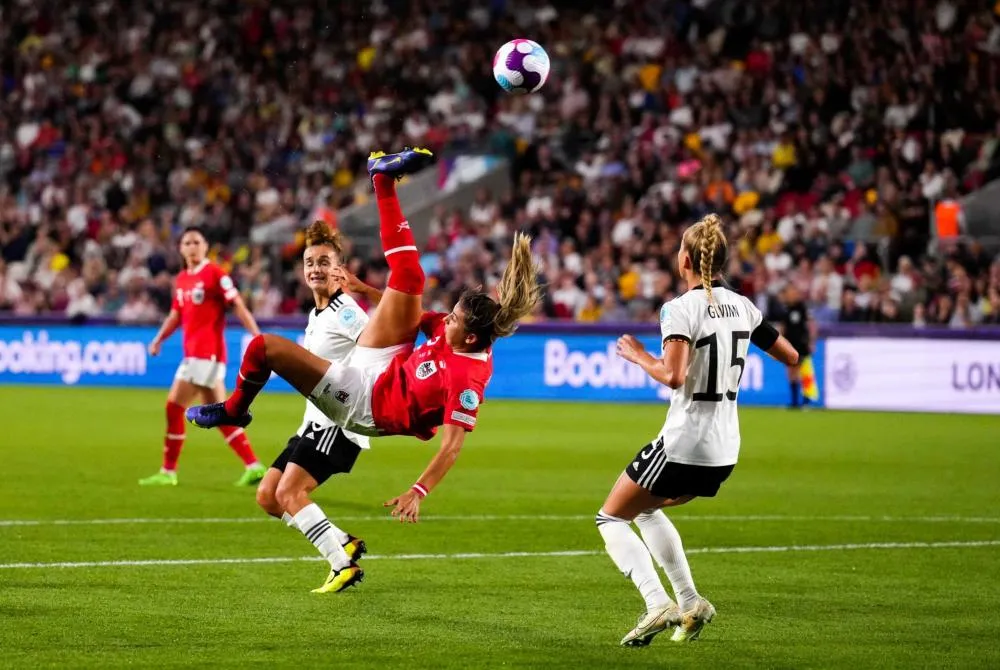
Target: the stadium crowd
(824, 131)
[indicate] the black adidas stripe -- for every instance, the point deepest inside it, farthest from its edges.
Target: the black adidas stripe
(317, 530)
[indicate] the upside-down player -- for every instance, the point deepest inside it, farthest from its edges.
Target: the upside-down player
(389, 388)
(706, 334)
(320, 448)
(202, 292)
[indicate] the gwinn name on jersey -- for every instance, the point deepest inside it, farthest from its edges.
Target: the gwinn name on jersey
(332, 333)
(702, 426)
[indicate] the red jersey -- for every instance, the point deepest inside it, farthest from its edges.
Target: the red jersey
(432, 386)
(201, 296)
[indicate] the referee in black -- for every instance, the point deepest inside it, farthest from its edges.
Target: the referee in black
(797, 327)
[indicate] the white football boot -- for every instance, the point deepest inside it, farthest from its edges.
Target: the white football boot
(693, 621)
(651, 623)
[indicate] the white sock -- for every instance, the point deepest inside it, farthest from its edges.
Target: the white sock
(664, 544)
(632, 558)
(288, 519)
(324, 535)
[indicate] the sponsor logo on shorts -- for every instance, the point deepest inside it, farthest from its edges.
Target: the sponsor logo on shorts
(468, 399)
(426, 369)
(342, 396)
(462, 417)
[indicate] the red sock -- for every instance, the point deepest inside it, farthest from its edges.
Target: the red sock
(173, 441)
(238, 442)
(398, 244)
(254, 373)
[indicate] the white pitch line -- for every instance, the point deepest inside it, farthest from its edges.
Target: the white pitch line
(510, 554)
(6, 523)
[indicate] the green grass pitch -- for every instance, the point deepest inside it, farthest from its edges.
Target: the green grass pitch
(896, 521)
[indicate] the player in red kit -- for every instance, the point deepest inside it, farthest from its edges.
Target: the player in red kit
(387, 387)
(202, 294)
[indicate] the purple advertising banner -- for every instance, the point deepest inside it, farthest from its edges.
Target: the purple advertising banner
(912, 375)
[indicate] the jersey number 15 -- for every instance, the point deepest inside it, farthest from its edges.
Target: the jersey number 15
(711, 393)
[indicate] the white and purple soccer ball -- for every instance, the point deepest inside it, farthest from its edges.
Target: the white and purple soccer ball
(521, 66)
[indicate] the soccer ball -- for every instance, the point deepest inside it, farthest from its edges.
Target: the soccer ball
(521, 66)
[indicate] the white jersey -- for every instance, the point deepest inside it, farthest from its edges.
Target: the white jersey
(333, 334)
(702, 427)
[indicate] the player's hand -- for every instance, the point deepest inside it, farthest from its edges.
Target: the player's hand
(346, 279)
(630, 348)
(406, 507)
(154, 348)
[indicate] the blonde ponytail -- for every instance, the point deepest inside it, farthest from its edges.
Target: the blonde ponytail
(518, 291)
(706, 245)
(517, 294)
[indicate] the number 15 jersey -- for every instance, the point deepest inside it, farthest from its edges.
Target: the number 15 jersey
(702, 427)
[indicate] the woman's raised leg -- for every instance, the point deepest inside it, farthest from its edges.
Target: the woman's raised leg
(265, 354)
(397, 316)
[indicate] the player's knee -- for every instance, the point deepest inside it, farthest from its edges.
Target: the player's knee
(268, 500)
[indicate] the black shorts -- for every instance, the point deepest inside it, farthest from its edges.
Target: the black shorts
(651, 470)
(322, 451)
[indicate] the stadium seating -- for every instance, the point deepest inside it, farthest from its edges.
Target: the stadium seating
(826, 132)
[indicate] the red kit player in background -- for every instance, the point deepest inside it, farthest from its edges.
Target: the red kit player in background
(202, 293)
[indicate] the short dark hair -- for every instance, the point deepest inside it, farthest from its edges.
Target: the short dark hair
(193, 229)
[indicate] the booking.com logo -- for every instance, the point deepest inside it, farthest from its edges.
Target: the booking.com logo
(605, 369)
(70, 359)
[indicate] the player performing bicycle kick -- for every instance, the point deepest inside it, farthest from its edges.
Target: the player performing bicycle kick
(387, 387)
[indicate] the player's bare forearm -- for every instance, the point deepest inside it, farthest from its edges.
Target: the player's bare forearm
(452, 439)
(660, 370)
(170, 324)
(782, 350)
(245, 317)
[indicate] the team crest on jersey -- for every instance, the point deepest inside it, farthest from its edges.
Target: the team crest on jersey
(468, 399)
(348, 316)
(198, 293)
(426, 369)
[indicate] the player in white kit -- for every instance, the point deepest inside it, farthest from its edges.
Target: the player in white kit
(320, 448)
(706, 333)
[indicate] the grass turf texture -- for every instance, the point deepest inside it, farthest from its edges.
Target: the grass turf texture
(811, 479)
